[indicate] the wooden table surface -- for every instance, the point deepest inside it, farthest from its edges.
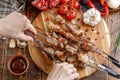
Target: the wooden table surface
(34, 73)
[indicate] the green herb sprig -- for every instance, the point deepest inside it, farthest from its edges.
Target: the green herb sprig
(117, 45)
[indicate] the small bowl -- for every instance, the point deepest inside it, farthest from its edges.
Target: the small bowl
(20, 63)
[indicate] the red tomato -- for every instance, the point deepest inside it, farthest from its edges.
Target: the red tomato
(74, 3)
(40, 4)
(63, 9)
(53, 3)
(64, 1)
(71, 14)
(45, 4)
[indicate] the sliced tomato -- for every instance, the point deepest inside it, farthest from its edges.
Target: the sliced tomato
(74, 3)
(71, 14)
(64, 1)
(63, 9)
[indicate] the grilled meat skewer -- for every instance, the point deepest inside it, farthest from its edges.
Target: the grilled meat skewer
(99, 67)
(61, 43)
(90, 47)
(51, 52)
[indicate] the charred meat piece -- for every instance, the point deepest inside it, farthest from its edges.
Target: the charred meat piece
(55, 42)
(60, 20)
(71, 58)
(80, 55)
(51, 25)
(63, 58)
(60, 45)
(86, 46)
(52, 41)
(54, 35)
(57, 29)
(74, 28)
(71, 50)
(60, 55)
(49, 50)
(75, 45)
(62, 39)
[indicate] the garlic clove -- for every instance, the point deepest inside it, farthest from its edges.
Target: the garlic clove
(86, 20)
(86, 15)
(21, 44)
(12, 43)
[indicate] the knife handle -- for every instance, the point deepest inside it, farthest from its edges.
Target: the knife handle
(114, 61)
(111, 72)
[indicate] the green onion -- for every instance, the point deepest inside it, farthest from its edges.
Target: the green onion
(117, 45)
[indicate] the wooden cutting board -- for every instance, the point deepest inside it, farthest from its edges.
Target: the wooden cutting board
(100, 34)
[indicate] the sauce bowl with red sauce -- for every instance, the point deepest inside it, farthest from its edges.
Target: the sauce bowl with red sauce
(18, 64)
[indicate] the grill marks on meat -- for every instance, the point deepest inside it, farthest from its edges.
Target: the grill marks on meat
(86, 46)
(60, 20)
(57, 42)
(54, 35)
(49, 50)
(72, 58)
(71, 50)
(74, 28)
(52, 41)
(60, 55)
(80, 55)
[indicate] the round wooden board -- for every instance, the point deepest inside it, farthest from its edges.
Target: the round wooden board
(102, 40)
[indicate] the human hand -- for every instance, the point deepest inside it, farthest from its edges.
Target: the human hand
(63, 71)
(14, 25)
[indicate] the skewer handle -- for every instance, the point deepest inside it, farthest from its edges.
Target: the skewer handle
(29, 33)
(109, 57)
(114, 61)
(111, 72)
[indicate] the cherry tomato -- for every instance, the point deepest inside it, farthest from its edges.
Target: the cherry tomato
(71, 14)
(63, 9)
(74, 3)
(64, 1)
